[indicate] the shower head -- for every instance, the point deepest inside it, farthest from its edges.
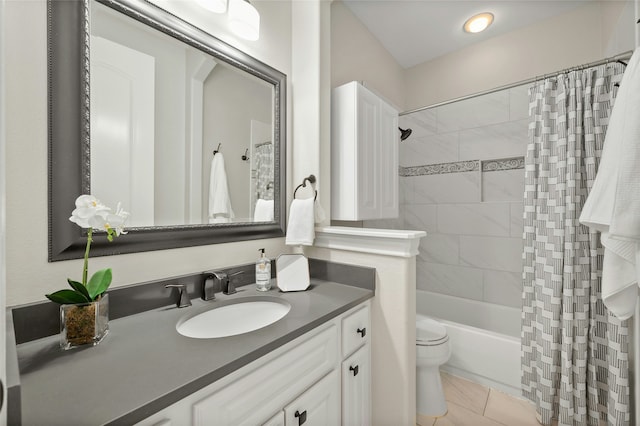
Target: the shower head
(404, 133)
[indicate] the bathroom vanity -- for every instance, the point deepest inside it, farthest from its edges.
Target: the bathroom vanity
(311, 366)
(320, 377)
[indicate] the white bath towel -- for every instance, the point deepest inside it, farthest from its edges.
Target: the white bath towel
(613, 206)
(219, 202)
(263, 211)
(300, 230)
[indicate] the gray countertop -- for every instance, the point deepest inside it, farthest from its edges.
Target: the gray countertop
(144, 365)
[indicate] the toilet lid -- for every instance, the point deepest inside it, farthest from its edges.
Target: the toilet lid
(429, 330)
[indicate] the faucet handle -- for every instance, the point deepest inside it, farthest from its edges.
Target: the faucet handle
(228, 287)
(183, 299)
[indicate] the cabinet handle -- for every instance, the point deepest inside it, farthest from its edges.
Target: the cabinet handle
(362, 331)
(302, 417)
(354, 369)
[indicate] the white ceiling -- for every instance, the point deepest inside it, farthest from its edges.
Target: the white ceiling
(415, 31)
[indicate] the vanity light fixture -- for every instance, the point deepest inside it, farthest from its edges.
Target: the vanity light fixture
(479, 22)
(215, 6)
(244, 19)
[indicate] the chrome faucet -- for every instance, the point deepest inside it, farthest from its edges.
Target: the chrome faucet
(183, 297)
(208, 288)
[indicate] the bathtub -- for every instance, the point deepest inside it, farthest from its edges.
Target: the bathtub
(484, 338)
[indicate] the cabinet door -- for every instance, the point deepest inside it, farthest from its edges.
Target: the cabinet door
(388, 162)
(320, 405)
(356, 388)
(277, 420)
(368, 154)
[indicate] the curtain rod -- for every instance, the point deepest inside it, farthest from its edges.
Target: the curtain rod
(619, 57)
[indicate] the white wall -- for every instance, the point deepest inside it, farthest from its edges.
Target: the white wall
(29, 275)
(311, 95)
(357, 55)
(3, 229)
(583, 35)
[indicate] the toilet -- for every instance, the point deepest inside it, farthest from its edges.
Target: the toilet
(432, 350)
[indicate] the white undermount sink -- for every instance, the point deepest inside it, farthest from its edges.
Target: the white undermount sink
(240, 317)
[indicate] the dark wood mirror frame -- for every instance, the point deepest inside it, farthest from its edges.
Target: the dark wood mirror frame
(69, 133)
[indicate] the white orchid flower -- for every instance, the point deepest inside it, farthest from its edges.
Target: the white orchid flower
(118, 219)
(87, 207)
(110, 222)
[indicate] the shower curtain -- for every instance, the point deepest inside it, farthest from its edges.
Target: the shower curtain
(575, 365)
(264, 171)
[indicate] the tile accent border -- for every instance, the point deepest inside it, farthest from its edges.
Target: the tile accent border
(442, 168)
(502, 164)
(463, 166)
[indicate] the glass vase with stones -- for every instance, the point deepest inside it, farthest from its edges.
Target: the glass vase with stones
(84, 324)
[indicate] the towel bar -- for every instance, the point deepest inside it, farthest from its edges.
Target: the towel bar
(312, 180)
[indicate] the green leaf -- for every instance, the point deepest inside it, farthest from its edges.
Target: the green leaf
(79, 288)
(66, 297)
(99, 283)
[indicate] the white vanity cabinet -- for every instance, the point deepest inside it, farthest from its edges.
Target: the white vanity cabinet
(356, 368)
(300, 383)
(364, 155)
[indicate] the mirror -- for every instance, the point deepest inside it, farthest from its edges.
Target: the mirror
(152, 112)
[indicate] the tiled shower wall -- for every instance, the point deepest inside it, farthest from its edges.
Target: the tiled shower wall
(462, 181)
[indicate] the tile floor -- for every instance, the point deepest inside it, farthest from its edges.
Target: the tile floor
(471, 404)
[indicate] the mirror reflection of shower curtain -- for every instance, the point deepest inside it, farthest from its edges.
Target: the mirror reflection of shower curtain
(263, 153)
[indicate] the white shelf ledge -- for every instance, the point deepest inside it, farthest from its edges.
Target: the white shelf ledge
(388, 242)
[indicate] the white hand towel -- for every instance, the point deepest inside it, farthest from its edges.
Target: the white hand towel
(263, 211)
(613, 205)
(219, 201)
(300, 230)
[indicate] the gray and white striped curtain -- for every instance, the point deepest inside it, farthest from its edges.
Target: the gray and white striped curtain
(575, 365)
(264, 171)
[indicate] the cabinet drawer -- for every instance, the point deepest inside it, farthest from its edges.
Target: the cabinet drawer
(355, 330)
(253, 398)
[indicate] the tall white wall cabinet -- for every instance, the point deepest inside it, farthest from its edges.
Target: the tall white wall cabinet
(364, 155)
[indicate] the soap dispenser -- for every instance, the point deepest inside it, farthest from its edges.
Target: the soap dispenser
(263, 272)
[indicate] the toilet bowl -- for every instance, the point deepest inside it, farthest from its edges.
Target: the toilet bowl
(432, 350)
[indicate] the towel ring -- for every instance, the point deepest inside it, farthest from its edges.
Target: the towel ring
(312, 180)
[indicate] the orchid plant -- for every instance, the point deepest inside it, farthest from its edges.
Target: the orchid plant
(92, 215)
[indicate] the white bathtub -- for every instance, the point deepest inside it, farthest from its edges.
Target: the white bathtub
(484, 338)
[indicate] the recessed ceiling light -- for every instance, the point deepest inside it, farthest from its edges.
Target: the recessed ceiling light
(478, 23)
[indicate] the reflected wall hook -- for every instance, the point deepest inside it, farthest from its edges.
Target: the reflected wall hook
(215, 151)
(245, 157)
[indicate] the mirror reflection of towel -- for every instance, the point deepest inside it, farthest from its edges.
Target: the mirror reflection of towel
(300, 229)
(219, 202)
(263, 211)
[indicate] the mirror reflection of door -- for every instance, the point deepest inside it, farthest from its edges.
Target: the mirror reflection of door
(122, 129)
